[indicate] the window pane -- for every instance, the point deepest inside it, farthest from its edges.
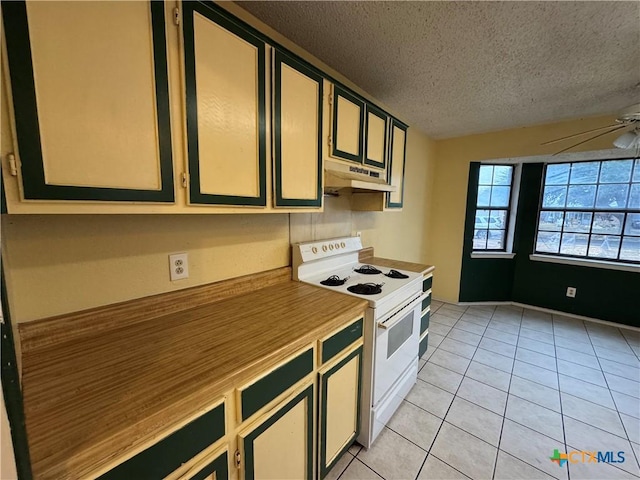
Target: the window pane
(495, 240)
(616, 171)
(557, 174)
(636, 172)
(551, 221)
(634, 197)
(486, 174)
(502, 175)
(554, 196)
(498, 219)
(584, 172)
(581, 196)
(609, 223)
(500, 196)
(574, 244)
(633, 224)
(612, 196)
(480, 242)
(484, 195)
(577, 222)
(604, 246)
(548, 242)
(630, 249)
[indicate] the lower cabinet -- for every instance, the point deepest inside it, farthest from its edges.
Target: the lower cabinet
(279, 445)
(339, 418)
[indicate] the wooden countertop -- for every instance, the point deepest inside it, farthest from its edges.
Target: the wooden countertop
(366, 256)
(89, 401)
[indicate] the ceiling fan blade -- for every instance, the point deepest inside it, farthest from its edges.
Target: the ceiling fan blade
(581, 133)
(621, 127)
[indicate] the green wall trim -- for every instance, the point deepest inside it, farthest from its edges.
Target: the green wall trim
(306, 395)
(422, 348)
(397, 123)
(11, 388)
(424, 322)
(220, 466)
(339, 91)
(266, 389)
(196, 196)
(341, 340)
(22, 80)
(304, 69)
(324, 378)
(383, 116)
(168, 454)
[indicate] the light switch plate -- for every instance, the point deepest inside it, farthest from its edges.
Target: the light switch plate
(178, 266)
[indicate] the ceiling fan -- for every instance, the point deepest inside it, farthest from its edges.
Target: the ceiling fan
(628, 121)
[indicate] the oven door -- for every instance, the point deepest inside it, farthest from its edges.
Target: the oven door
(397, 338)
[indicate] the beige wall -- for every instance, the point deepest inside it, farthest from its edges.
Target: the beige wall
(450, 191)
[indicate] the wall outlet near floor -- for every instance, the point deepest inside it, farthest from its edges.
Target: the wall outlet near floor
(178, 266)
(571, 292)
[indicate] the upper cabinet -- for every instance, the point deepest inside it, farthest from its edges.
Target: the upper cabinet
(347, 125)
(397, 155)
(375, 153)
(297, 133)
(92, 107)
(224, 68)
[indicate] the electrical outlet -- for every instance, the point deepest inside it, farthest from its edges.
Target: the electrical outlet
(178, 266)
(571, 292)
(358, 234)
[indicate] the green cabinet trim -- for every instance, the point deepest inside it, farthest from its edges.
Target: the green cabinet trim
(305, 69)
(266, 389)
(424, 322)
(195, 194)
(422, 348)
(383, 116)
(426, 302)
(220, 466)
(22, 80)
(341, 340)
(397, 123)
(341, 92)
(168, 454)
(306, 395)
(427, 283)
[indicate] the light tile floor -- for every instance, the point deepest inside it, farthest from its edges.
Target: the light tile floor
(499, 389)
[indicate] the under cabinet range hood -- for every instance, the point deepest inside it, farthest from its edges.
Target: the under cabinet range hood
(340, 175)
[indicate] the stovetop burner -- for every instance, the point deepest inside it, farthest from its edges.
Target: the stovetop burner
(334, 281)
(367, 270)
(366, 288)
(395, 274)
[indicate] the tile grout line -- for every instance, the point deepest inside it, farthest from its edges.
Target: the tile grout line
(506, 403)
(564, 433)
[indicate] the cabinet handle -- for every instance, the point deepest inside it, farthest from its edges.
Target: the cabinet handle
(13, 167)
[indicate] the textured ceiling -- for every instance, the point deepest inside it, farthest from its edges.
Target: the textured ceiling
(457, 68)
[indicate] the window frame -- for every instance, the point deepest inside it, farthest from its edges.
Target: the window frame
(508, 231)
(593, 211)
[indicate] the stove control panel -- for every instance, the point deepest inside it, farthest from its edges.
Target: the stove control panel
(309, 251)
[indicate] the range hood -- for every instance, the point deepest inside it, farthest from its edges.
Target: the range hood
(339, 175)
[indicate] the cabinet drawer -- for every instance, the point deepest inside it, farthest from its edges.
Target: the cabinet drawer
(259, 393)
(424, 343)
(426, 302)
(427, 283)
(216, 469)
(424, 322)
(168, 454)
(333, 345)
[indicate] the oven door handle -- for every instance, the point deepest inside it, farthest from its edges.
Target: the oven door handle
(396, 317)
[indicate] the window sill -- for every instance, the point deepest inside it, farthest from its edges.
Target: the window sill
(502, 255)
(627, 267)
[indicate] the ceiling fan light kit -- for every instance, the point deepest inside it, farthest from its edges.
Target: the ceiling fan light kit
(628, 140)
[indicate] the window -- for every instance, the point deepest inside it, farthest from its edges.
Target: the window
(492, 207)
(591, 210)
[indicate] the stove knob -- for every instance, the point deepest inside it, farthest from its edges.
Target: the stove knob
(331, 246)
(337, 246)
(314, 249)
(324, 248)
(343, 245)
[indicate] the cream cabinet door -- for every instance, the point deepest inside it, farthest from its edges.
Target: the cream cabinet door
(339, 408)
(297, 133)
(347, 125)
(89, 87)
(397, 157)
(225, 106)
(375, 142)
(279, 446)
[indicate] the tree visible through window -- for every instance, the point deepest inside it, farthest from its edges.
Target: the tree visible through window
(492, 207)
(592, 210)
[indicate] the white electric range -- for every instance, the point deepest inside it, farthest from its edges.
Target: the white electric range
(392, 322)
